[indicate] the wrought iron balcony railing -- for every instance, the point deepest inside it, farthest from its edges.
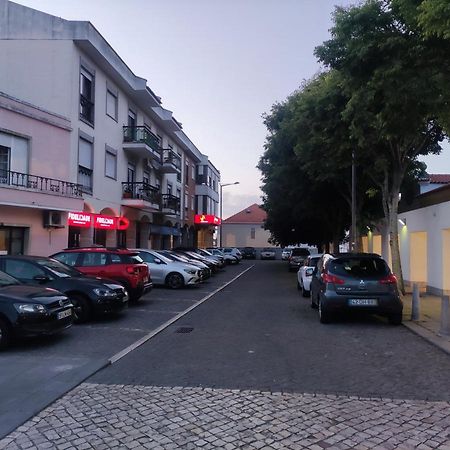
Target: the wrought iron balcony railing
(41, 184)
(142, 135)
(141, 190)
(171, 202)
(170, 157)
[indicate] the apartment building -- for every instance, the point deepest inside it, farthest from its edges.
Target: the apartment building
(132, 168)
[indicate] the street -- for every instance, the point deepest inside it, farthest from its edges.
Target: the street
(251, 367)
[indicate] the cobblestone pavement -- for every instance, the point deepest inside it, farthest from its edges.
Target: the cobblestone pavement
(98, 416)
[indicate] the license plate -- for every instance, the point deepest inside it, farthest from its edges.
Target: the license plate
(363, 302)
(64, 314)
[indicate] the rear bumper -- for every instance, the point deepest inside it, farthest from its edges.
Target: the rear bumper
(387, 304)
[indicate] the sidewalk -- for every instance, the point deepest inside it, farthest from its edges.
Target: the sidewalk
(430, 320)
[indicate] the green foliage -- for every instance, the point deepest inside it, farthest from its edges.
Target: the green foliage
(434, 18)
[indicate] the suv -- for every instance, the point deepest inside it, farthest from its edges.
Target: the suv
(297, 258)
(355, 282)
(122, 265)
(248, 253)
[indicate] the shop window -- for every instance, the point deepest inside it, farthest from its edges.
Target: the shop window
(12, 240)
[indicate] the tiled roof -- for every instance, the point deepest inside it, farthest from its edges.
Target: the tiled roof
(442, 178)
(252, 214)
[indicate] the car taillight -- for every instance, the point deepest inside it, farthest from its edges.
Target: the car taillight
(133, 270)
(329, 278)
(391, 279)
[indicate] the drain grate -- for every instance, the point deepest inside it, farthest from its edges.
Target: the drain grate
(184, 330)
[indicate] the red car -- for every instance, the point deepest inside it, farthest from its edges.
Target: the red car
(122, 265)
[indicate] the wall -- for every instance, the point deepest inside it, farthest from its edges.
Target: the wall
(239, 235)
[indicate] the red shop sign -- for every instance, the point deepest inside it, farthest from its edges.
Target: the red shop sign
(86, 220)
(206, 219)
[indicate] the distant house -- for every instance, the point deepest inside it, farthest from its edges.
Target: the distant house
(245, 229)
(433, 181)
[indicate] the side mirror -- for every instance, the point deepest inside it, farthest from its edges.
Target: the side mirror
(309, 272)
(41, 278)
(157, 261)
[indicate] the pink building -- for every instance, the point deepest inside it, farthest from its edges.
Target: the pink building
(36, 192)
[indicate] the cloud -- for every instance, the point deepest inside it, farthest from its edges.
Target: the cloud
(233, 203)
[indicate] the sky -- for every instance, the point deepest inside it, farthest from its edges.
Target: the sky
(219, 65)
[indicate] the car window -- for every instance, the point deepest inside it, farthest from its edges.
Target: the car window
(7, 280)
(69, 258)
(147, 257)
(129, 259)
(358, 267)
(313, 261)
(23, 270)
(93, 259)
(58, 268)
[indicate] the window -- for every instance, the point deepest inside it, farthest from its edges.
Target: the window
(131, 173)
(93, 259)
(69, 258)
(110, 163)
(131, 118)
(193, 203)
(146, 177)
(186, 173)
(85, 153)
(193, 172)
(22, 270)
(186, 200)
(86, 96)
(178, 193)
(111, 104)
(169, 189)
(252, 233)
(4, 163)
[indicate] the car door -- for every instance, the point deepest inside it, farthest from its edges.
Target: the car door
(93, 263)
(157, 271)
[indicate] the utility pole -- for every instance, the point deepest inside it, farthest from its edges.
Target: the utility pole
(353, 236)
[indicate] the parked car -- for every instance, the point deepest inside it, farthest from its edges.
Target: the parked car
(88, 295)
(208, 255)
(305, 272)
(121, 265)
(248, 252)
(355, 282)
(165, 272)
(30, 310)
(213, 265)
(205, 271)
(228, 257)
(232, 251)
(297, 258)
(268, 253)
(285, 253)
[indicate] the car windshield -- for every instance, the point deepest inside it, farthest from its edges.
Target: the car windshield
(300, 252)
(58, 268)
(267, 250)
(7, 280)
(358, 267)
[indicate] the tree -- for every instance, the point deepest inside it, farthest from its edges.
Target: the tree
(394, 99)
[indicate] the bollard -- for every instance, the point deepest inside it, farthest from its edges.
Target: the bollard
(415, 307)
(445, 316)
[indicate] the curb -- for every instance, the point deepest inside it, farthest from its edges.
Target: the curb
(434, 339)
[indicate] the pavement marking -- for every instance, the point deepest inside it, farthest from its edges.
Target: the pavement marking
(165, 325)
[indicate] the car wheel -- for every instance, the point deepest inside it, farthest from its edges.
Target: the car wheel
(395, 319)
(81, 308)
(324, 315)
(174, 281)
(5, 334)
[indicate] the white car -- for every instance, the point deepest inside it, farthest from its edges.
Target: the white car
(268, 253)
(231, 251)
(169, 273)
(305, 272)
(228, 257)
(286, 253)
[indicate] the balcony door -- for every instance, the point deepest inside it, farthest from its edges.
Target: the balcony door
(4, 164)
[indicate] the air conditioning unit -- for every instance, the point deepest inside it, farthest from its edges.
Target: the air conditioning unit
(53, 219)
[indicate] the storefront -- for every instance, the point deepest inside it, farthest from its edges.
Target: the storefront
(206, 225)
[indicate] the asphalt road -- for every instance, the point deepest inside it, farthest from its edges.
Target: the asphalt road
(35, 372)
(259, 333)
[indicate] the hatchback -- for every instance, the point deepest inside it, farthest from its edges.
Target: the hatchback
(305, 273)
(355, 282)
(121, 265)
(297, 258)
(248, 252)
(165, 272)
(88, 295)
(30, 310)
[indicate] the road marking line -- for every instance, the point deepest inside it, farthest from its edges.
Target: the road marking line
(165, 325)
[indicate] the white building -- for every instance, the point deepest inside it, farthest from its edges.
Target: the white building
(130, 155)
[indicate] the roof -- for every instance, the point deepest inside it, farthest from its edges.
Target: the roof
(438, 178)
(253, 214)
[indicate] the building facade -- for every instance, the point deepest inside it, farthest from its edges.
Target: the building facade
(133, 166)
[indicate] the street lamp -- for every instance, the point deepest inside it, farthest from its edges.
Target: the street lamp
(222, 185)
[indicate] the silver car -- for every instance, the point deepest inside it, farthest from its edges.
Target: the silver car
(173, 274)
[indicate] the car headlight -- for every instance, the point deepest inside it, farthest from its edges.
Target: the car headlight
(27, 308)
(190, 271)
(102, 292)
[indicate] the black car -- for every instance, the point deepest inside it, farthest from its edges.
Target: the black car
(355, 282)
(248, 252)
(88, 294)
(297, 258)
(31, 311)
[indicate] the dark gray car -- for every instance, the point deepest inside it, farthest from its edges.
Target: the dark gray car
(355, 282)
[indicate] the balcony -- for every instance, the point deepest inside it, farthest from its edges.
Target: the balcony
(170, 204)
(39, 184)
(171, 162)
(141, 195)
(141, 142)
